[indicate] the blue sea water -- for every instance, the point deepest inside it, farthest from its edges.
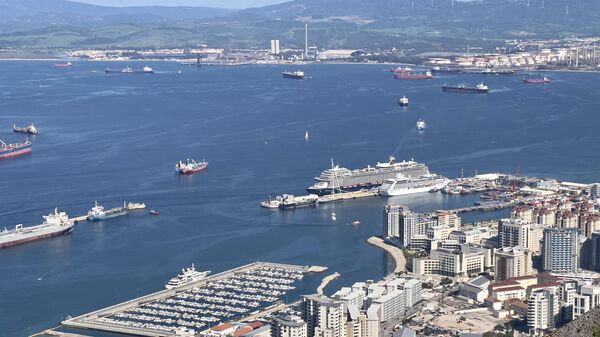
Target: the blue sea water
(112, 138)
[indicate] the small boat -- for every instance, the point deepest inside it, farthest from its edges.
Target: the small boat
(333, 217)
(62, 65)
(537, 80)
(153, 212)
(191, 166)
(403, 101)
(401, 70)
(31, 129)
(296, 75)
(180, 72)
(355, 223)
(421, 125)
(306, 135)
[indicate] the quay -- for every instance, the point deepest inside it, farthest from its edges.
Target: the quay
(395, 252)
(347, 196)
(232, 295)
(484, 207)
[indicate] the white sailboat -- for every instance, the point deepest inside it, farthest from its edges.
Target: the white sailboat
(306, 135)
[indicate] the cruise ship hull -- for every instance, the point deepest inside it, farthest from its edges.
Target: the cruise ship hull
(415, 190)
(327, 191)
(35, 238)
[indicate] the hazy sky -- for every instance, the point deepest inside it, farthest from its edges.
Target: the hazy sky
(210, 3)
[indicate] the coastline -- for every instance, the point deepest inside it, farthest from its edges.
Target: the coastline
(395, 252)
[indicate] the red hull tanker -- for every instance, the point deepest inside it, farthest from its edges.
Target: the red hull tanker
(191, 166)
(13, 150)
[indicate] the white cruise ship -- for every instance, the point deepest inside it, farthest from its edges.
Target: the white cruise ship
(187, 275)
(403, 185)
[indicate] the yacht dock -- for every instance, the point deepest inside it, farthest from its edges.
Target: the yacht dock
(231, 295)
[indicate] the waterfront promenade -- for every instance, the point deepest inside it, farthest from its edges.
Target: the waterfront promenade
(395, 252)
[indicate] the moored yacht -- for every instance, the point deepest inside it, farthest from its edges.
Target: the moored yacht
(187, 275)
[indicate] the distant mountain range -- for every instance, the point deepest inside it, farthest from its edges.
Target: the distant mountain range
(424, 24)
(18, 15)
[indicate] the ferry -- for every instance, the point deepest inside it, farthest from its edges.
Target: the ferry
(421, 125)
(31, 129)
(401, 70)
(13, 150)
(413, 76)
(62, 65)
(480, 88)
(187, 275)
(403, 185)
(296, 75)
(98, 213)
(537, 80)
(403, 101)
(191, 166)
(55, 224)
(129, 70)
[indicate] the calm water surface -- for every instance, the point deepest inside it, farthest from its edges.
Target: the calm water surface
(112, 137)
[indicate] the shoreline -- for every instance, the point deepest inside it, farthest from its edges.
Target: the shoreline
(396, 253)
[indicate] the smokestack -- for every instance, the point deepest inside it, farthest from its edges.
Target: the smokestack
(306, 41)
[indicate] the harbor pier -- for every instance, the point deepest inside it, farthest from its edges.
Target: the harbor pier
(232, 295)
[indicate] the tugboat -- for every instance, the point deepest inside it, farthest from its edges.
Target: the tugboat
(187, 275)
(296, 75)
(13, 150)
(421, 125)
(31, 129)
(129, 70)
(537, 80)
(403, 101)
(481, 88)
(62, 65)
(413, 76)
(191, 166)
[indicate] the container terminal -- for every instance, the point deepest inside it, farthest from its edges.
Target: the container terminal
(231, 295)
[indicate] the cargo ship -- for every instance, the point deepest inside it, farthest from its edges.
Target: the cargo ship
(402, 185)
(296, 75)
(98, 213)
(479, 88)
(62, 65)
(129, 70)
(413, 75)
(187, 275)
(13, 150)
(340, 179)
(31, 129)
(537, 80)
(403, 101)
(190, 166)
(55, 223)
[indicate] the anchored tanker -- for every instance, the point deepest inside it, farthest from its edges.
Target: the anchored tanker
(56, 223)
(340, 179)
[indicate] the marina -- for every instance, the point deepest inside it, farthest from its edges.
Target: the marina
(196, 306)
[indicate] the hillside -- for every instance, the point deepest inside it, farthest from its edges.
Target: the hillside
(447, 25)
(584, 326)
